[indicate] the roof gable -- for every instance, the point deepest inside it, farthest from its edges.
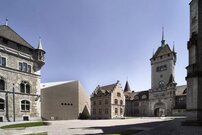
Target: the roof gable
(162, 50)
(8, 33)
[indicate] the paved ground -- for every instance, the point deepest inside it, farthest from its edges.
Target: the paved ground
(151, 126)
(79, 127)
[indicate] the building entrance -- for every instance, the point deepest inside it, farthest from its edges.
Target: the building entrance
(159, 109)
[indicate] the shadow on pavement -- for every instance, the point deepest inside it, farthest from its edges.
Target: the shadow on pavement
(119, 128)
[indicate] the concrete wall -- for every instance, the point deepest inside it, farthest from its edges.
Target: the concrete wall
(63, 101)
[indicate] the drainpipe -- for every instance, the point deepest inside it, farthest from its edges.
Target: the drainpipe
(13, 103)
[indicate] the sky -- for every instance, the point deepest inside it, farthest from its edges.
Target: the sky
(101, 41)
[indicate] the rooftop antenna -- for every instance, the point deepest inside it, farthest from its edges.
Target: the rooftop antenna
(6, 21)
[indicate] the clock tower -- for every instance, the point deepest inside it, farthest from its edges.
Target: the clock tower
(194, 69)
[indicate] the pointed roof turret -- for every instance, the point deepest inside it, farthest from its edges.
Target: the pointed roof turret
(40, 44)
(171, 79)
(127, 87)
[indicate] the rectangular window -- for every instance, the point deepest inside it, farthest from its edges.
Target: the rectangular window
(20, 66)
(100, 111)
(3, 61)
(24, 67)
(29, 68)
(100, 102)
(94, 103)
(106, 101)
(94, 111)
(116, 111)
(106, 110)
(121, 111)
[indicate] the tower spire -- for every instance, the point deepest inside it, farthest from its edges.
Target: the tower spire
(40, 44)
(162, 41)
(173, 46)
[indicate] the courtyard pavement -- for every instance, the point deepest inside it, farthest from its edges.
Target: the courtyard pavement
(151, 126)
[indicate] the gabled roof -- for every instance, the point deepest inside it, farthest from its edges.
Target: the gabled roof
(8, 33)
(162, 50)
(127, 87)
(104, 90)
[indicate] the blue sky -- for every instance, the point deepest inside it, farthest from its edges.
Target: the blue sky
(101, 41)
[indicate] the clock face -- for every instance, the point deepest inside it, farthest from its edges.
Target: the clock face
(194, 16)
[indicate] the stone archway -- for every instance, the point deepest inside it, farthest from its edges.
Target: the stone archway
(159, 109)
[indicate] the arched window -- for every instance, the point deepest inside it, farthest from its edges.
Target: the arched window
(25, 105)
(144, 97)
(2, 84)
(2, 104)
(136, 97)
(118, 94)
(121, 102)
(25, 87)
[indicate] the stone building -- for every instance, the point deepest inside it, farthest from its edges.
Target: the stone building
(64, 101)
(108, 102)
(20, 65)
(164, 98)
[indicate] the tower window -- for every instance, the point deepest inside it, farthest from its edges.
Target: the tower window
(161, 68)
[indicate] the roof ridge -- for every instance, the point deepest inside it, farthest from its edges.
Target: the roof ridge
(27, 44)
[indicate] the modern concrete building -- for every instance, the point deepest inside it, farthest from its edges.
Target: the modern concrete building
(64, 101)
(194, 69)
(164, 98)
(20, 65)
(108, 102)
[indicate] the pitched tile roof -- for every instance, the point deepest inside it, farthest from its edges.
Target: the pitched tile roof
(10, 34)
(162, 50)
(104, 89)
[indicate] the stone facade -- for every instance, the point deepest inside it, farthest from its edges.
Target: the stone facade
(68, 98)
(20, 66)
(164, 98)
(108, 102)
